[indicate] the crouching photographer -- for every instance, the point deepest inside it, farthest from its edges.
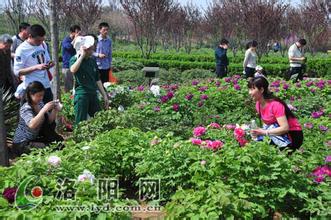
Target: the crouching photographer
(36, 127)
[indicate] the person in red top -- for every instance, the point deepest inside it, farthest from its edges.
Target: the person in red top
(274, 110)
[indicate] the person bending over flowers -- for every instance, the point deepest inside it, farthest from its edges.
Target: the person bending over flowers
(279, 121)
(36, 127)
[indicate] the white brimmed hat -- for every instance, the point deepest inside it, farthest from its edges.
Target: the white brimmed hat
(85, 41)
(258, 67)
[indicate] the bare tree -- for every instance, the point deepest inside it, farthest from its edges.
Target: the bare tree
(192, 18)
(262, 21)
(314, 24)
(86, 12)
(120, 26)
(147, 17)
(16, 11)
(172, 31)
(40, 10)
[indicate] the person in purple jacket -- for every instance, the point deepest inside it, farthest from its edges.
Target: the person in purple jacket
(103, 52)
(68, 51)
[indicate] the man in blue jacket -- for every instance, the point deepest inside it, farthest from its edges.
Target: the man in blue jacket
(68, 51)
(222, 60)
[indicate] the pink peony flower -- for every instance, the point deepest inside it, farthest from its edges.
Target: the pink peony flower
(230, 126)
(9, 194)
(319, 179)
(285, 86)
(189, 96)
(218, 83)
(323, 128)
(157, 108)
(235, 81)
(214, 125)
(313, 90)
(275, 83)
(215, 144)
(317, 114)
(175, 107)
(328, 159)
(164, 99)
(199, 131)
(236, 87)
(200, 104)
(196, 141)
(227, 79)
(195, 82)
(203, 88)
(140, 88)
(202, 162)
(239, 133)
(310, 83)
(242, 142)
(204, 97)
(298, 84)
(170, 95)
(174, 87)
(308, 125)
(328, 143)
(291, 107)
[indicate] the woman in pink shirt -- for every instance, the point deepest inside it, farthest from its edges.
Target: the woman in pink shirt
(274, 111)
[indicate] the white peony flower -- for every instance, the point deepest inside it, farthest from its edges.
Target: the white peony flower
(155, 89)
(106, 84)
(86, 148)
(120, 108)
(86, 176)
(54, 161)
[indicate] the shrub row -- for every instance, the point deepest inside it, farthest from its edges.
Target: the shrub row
(320, 68)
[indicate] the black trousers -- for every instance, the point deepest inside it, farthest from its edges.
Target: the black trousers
(104, 75)
(221, 71)
(249, 72)
(297, 70)
(297, 139)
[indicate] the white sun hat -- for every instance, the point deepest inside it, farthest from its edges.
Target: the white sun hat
(258, 67)
(83, 41)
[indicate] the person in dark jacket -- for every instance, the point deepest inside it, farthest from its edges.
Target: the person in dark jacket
(68, 51)
(6, 76)
(222, 60)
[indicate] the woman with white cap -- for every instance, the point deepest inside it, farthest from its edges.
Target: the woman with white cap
(87, 79)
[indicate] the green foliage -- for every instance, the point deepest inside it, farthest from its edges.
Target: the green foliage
(151, 139)
(275, 66)
(10, 108)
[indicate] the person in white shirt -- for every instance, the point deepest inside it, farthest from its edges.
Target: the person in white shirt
(32, 60)
(250, 59)
(297, 59)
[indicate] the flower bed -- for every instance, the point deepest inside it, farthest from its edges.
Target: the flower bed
(187, 137)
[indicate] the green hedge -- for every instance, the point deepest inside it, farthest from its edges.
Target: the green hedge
(319, 65)
(321, 68)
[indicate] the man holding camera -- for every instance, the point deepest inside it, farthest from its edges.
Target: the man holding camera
(297, 59)
(32, 60)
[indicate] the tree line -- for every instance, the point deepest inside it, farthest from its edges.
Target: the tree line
(166, 24)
